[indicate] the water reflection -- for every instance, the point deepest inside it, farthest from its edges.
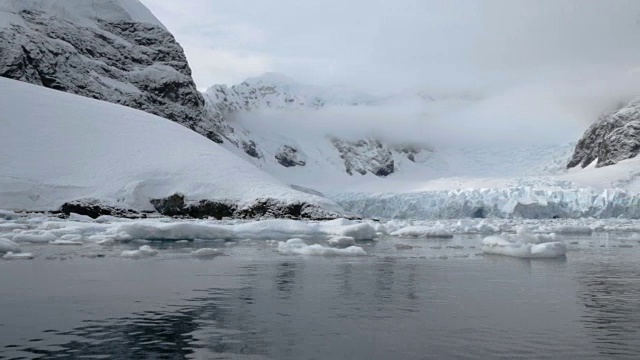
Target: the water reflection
(610, 293)
(211, 322)
(377, 308)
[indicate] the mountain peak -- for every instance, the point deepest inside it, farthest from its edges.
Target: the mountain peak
(271, 78)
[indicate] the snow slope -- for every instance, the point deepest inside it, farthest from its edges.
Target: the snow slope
(77, 10)
(58, 147)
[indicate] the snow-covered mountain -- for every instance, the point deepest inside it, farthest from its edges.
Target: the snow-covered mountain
(283, 97)
(63, 151)
(112, 50)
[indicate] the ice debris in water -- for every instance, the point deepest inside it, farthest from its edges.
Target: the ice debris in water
(298, 247)
(423, 231)
(341, 241)
(144, 250)
(17, 256)
(524, 245)
(206, 253)
(68, 239)
(7, 245)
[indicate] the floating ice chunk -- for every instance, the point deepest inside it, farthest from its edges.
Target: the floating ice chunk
(104, 241)
(34, 236)
(174, 231)
(7, 245)
(8, 215)
(144, 250)
(500, 246)
(13, 226)
(66, 242)
(17, 256)
(574, 230)
(423, 231)
(341, 241)
(524, 235)
(362, 231)
(206, 253)
(298, 247)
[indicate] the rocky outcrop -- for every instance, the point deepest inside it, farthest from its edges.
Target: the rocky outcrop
(613, 138)
(114, 58)
(176, 205)
(289, 156)
(95, 208)
(363, 156)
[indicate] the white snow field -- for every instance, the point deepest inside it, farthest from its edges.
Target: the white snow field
(76, 10)
(58, 147)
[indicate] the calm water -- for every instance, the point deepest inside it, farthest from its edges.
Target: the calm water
(439, 300)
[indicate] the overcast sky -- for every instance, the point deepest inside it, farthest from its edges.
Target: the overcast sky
(391, 45)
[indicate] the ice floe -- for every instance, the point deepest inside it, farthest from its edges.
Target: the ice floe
(143, 251)
(206, 253)
(423, 231)
(298, 247)
(17, 256)
(7, 245)
(529, 247)
(341, 241)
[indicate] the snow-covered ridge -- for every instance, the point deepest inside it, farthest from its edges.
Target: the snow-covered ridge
(510, 202)
(60, 147)
(84, 11)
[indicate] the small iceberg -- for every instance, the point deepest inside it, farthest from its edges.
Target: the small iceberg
(498, 245)
(143, 251)
(341, 241)
(17, 256)
(298, 247)
(206, 253)
(7, 245)
(423, 231)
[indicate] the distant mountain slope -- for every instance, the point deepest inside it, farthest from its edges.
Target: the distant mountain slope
(271, 92)
(59, 148)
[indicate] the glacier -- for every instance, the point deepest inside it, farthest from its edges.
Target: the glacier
(510, 202)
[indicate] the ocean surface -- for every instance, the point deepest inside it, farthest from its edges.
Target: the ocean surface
(441, 298)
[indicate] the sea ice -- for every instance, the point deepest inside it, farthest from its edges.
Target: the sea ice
(206, 253)
(298, 247)
(341, 241)
(17, 256)
(7, 245)
(144, 250)
(422, 231)
(500, 246)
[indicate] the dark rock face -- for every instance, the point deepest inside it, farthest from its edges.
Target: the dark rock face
(175, 205)
(363, 156)
(250, 149)
(289, 156)
(613, 138)
(134, 64)
(95, 208)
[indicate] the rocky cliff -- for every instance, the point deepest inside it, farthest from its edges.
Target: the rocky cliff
(111, 50)
(613, 138)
